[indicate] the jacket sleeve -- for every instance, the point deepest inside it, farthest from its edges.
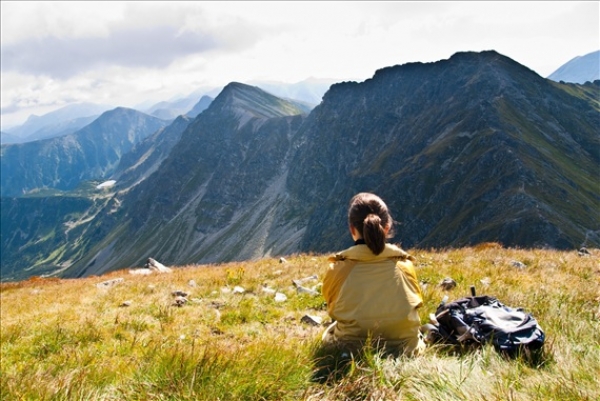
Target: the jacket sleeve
(411, 284)
(335, 277)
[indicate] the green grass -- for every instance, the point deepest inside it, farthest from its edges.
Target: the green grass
(70, 340)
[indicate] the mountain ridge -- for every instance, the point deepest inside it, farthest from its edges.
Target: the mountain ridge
(475, 148)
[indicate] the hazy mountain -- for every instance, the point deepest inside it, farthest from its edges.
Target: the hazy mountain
(59, 129)
(63, 162)
(5, 137)
(168, 110)
(199, 107)
(58, 120)
(191, 105)
(579, 70)
(310, 91)
(471, 149)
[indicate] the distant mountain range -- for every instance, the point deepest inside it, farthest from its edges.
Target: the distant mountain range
(579, 70)
(471, 149)
(64, 162)
(73, 117)
(59, 122)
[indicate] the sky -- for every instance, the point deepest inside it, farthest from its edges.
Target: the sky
(127, 53)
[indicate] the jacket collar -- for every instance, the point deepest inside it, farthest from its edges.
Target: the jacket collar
(363, 253)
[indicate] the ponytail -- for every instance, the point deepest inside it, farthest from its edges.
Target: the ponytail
(369, 215)
(374, 233)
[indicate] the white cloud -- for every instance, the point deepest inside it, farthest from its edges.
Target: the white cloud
(128, 52)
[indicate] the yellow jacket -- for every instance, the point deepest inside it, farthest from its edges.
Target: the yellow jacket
(374, 296)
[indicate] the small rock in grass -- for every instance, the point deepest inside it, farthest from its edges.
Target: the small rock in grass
(109, 283)
(180, 301)
(268, 290)
(312, 320)
(280, 297)
(447, 284)
(304, 290)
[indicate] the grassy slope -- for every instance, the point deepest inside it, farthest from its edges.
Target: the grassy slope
(70, 340)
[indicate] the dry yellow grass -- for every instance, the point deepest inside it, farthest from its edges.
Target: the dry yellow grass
(70, 340)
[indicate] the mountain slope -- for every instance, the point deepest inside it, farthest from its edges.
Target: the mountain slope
(579, 70)
(210, 187)
(199, 107)
(476, 148)
(146, 156)
(63, 162)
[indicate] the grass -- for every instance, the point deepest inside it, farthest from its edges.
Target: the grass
(71, 340)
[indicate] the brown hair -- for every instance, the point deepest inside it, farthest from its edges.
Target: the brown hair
(369, 215)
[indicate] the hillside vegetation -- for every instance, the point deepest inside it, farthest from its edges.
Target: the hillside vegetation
(235, 339)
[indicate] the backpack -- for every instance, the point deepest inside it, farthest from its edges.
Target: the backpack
(479, 320)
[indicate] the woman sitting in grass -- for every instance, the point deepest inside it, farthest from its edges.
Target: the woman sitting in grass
(371, 289)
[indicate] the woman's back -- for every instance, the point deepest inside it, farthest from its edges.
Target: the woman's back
(373, 296)
(371, 289)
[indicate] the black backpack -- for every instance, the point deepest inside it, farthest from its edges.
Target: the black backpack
(479, 320)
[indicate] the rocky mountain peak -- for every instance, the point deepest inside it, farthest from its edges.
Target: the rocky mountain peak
(248, 102)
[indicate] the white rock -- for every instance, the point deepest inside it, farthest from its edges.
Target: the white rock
(141, 272)
(300, 281)
(280, 297)
(268, 290)
(157, 266)
(312, 320)
(304, 290)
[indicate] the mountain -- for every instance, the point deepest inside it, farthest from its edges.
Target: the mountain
(146, 156)
(188, 105)
(59, 129)
(472, 149)
(579, 70)
(199, 107)
(310, 91)
(63, 162)
(227, 160)
(169, 110)
(5, 137)
(58, 121)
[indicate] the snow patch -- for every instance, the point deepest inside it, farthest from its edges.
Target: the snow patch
(106, 184)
